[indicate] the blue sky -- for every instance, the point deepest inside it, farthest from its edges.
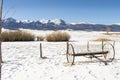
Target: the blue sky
(92, 11)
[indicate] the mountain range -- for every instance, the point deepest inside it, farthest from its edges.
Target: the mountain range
(57, 24)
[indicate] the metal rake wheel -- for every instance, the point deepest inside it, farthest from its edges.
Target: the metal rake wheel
(70, 54)
(111, 52)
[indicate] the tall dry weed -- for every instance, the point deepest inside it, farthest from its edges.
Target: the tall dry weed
(58, 36)
(17, 36)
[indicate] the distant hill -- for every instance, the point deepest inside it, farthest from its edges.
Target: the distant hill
(57, 24)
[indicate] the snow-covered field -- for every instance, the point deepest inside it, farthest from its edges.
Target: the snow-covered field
(22, 60)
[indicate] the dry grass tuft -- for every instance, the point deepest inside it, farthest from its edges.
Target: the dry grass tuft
(58, 36)
(17, 36)
(102, 39)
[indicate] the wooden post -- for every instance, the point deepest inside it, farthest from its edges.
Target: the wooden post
(88, 45)
(102, 45)
(41, 54)
(41, 50)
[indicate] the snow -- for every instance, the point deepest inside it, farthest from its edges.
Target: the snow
(22, 61)
(115, 24)
(3, 29)
(57, 21)
(75, 23)
(44, 21)
(25, 21)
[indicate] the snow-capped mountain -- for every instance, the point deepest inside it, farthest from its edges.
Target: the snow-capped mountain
(9, 20)
(45, 21)
(26, 21)
(56, 24)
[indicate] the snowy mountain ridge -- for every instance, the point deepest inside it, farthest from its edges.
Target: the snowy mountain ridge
(56, 24)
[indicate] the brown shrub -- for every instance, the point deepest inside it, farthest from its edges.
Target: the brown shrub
(58, 36)
(102, 39)
(17, 36)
